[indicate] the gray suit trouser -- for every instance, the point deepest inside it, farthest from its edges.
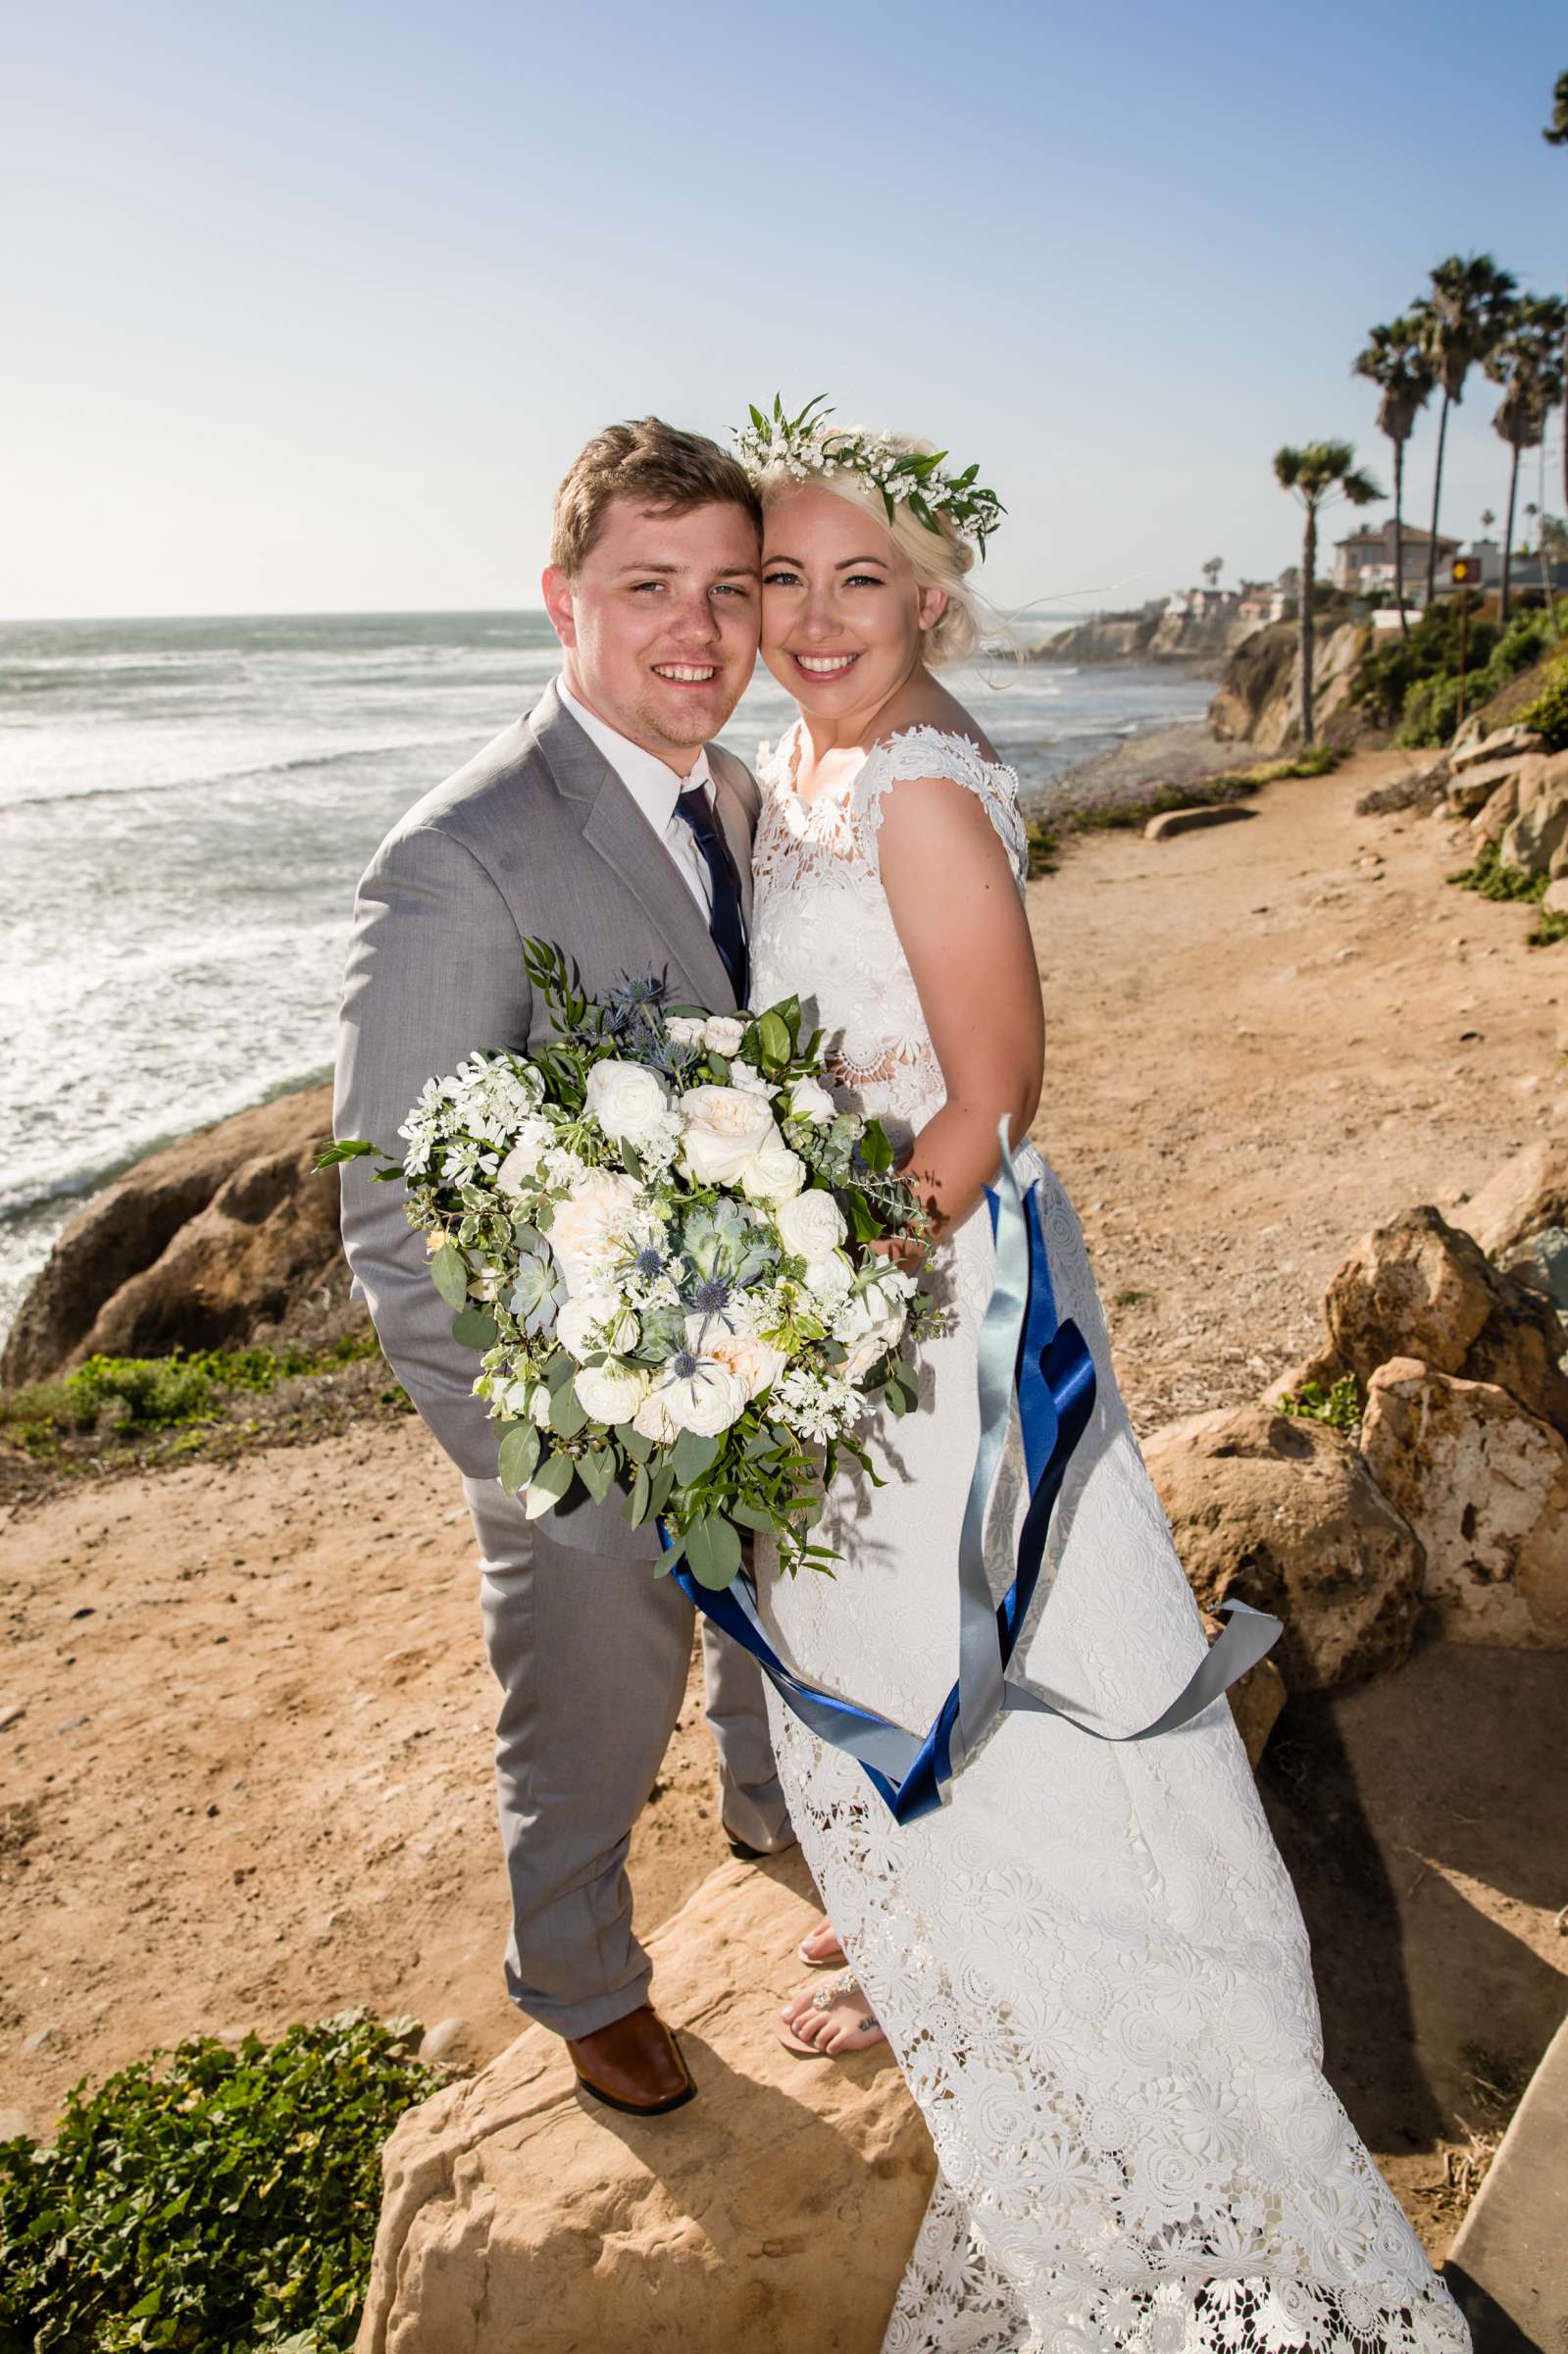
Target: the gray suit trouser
(591, 1654)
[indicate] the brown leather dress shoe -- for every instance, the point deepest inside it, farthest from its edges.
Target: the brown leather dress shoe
(633, 2065)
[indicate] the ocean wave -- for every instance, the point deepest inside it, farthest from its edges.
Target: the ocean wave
(233, 776)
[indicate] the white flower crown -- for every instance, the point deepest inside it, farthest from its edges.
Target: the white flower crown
(808, 444)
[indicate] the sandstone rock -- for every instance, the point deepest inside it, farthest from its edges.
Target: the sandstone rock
(1492, 820)
(1282, 1514)
(1536, 840)
(1423, 789)
(1527, 1195)
(1418, 1287)
(1167, 822)
(1484, 1486)
(1554, 898)
(777, 2211)
(1320, 1372)
(438, 2041)
(192, 1247)
(1540, 1263)
(1505, 744)
(1470, 788)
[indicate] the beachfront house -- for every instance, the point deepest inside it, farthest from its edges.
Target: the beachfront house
(1364, 562)
(1265, 601)
(1202, 604)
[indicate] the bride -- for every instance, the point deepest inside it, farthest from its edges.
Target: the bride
(1089, 1961)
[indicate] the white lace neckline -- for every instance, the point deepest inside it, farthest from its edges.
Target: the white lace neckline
(786, 756)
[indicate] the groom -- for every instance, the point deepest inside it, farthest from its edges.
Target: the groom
(608, 823)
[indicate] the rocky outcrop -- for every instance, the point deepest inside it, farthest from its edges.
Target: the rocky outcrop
(1484, 1486)
(1281, 1512)
(1479, 751)
(1418, 1287)
(1259, 701)
(1151, 634)
(1535, 838)
(777, 2211)
(225, 1232)
(1528, 1194)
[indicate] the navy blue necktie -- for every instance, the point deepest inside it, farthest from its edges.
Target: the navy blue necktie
(724, 917)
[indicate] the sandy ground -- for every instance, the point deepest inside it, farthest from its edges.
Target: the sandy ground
(250, 1780)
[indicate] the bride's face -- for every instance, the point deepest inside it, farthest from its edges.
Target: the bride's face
(843, 619)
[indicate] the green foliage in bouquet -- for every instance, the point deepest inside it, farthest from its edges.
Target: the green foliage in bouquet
(212, 2199)
(656, 1229)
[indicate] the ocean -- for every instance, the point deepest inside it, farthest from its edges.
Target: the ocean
(185, 807)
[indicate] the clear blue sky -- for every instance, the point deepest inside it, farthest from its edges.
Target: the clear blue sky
(309, 305)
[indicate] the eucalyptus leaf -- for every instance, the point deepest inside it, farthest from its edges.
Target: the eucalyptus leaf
(753, 1516)
(448, 1271)
(636, 1508)
(692, 1456)
(567, 1415)
(475, 1328)
(554, 1476)
(520, 1452)
(596, 1471)
(713, 1552)
(634, 1443)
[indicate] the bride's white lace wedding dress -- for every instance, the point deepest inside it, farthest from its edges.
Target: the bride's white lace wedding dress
(1090, 1962)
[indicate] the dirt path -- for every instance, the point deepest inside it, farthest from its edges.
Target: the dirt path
(251, 1784)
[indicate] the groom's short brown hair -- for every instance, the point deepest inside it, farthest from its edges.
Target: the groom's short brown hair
(654, 463)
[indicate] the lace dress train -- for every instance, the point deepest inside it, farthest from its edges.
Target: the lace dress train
(1090, 1963)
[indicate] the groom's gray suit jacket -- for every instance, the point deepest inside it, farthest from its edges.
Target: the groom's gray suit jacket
(536, 837)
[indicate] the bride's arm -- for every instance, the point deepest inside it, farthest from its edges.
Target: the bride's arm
(962, 926)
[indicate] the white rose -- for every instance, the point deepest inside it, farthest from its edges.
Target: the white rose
(774, 1175)
(707, 1400)
(870, 1322)
(722, 1034)
(811, 1225)
(626, 1100)
(590, 1231)
(654, 1420)
(611, 1393)
(830, 1280)
(585, 1316)
(749, 1082)
(810, 1101)
(686, 1027)
(754, 1362)
(523, 1161)
(722, 1130)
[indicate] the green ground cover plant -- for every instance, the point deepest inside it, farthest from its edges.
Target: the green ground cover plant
(1490, 879)
(1340, 1405)
(208, 2198)
(1548, 713)
(157, 1393)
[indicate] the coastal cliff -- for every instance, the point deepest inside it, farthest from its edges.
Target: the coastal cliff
(1259, 701)
(1151, 634)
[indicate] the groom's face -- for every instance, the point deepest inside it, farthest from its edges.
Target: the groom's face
(660, 624)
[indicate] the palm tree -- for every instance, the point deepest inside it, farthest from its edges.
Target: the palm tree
(1527, 361)
(1461, 320)
(1212, 571)
(1397, 361)
(1556, 135)
(1319, 474)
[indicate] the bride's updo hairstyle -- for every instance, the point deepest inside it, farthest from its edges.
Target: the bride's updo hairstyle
(940, 557)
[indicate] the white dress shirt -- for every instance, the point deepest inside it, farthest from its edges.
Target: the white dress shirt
(656, 789)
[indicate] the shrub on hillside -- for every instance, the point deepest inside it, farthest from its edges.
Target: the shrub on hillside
(1548, 713)
(1413, 682)
(226, 2202)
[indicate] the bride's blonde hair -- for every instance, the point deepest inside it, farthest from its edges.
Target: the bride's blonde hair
(939, 558)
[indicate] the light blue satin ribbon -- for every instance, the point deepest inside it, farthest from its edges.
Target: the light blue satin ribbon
(1024, 1352)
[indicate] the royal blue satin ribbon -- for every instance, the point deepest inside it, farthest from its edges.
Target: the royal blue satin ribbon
(1026, 1355)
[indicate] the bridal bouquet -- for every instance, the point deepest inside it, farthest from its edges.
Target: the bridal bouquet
(655, 1232)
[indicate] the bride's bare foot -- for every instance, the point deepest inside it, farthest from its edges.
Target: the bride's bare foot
(829, 2022)
(821, 1950)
